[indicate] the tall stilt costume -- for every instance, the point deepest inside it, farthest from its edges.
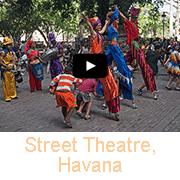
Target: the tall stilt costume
(110, 87)
(114, 53)
(135, 51)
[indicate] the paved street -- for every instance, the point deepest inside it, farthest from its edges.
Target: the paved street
(36, 112)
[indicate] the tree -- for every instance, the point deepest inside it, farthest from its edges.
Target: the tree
(150, 21)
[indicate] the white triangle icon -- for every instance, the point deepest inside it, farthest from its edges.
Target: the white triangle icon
(89, 65)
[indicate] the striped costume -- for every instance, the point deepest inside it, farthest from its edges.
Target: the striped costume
(64, 96)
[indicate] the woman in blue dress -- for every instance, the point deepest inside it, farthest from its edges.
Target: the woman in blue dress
(114, 53)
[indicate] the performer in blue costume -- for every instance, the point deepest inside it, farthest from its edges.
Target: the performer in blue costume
(114, 53)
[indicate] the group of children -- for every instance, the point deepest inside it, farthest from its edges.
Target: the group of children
(61, 86)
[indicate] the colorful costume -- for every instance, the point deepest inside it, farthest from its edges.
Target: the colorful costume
(8, 79)
(114, 53)
(55, 64)
(110, 87)
(174, 65)
(64, 96)
(33, 81)
(135, 51)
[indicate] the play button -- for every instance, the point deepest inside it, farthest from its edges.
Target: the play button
(89, 65)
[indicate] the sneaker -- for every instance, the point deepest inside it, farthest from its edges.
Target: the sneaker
(134, 106)
(155, 97)
(157, 91)
(139, 91)
(80, 114)
(120, 98)
(104, 107)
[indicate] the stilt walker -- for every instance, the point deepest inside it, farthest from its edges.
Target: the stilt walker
(114, 53)
(135, 52)
(110, 87)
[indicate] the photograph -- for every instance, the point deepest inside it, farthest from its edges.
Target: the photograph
(89, 66)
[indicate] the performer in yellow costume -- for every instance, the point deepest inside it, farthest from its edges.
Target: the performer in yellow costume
(6, 62)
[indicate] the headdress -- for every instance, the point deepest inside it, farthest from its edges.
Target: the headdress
(135, 12)
(174, 44)
(94, 21)
(51, 37)
(7, 41)
(114, 15)
(28, 45)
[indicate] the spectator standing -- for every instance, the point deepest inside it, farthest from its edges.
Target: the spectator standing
(84, 49)
(16, 49)
(22, 47)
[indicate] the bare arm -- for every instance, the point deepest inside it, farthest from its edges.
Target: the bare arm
(122, 15)
(2, 63)
(92, 32)
(105, 27)
(178, 57)
(162, 62)
(97, 95)
(167, 61)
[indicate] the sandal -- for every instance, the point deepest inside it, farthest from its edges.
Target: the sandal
(68, 124)
(177, 89)
(168, 88)
(79, 114)
(64, 121)
(88, 117)
(117, 117)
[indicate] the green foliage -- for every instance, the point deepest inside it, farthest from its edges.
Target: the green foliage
(150, 21)
(20, 17)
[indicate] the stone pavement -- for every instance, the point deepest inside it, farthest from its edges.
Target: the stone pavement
(36, 112)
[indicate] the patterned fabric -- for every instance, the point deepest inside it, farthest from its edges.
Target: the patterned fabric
(64, 81)
(33, 81)
(38, 71)
(132, 31)
(28, 46)
(114, 105)
(65, 99)
(111, 91)
(114, 53)
(174, 65)
(147, 72)
(135, 12)
(94, 21)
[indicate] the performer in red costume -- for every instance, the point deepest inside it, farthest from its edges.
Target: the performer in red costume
(33, 54)
(110, 87)
(135, 52)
